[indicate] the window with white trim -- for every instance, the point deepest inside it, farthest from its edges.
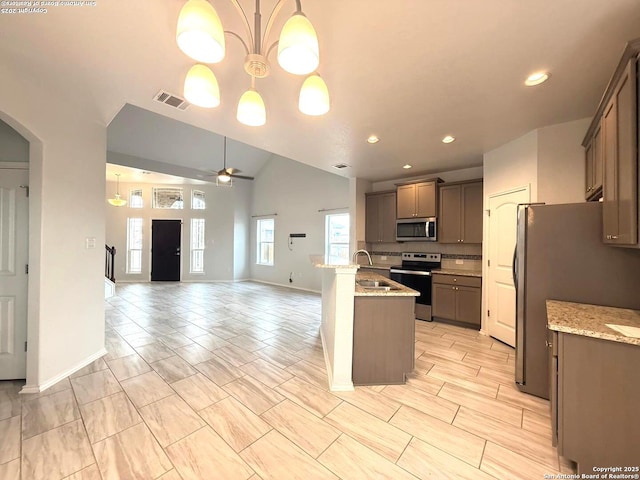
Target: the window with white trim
(197, 245)
(134, 245)
(135, 198)
(167, 197)
(337, 236)
(265, 243)
(197, 200)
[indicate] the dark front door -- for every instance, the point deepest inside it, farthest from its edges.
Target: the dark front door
(165, 250)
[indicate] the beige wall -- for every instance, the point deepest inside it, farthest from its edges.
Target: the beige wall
(561, 162)
(511, 166)
(226, 220)
(67, 150)
(295, 192)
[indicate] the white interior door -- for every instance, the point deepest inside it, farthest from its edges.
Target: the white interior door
(14, 223)
(503, 214)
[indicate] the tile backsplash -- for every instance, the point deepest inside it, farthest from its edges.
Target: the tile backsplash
(460, 257)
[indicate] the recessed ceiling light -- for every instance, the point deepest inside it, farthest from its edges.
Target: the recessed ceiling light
(373, 139)
(448, 139)
(536, 79)
(407, 166)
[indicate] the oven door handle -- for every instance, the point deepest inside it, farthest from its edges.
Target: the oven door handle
(411, 272)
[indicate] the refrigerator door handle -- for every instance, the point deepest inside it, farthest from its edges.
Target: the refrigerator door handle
(519, 280)
(514, 268)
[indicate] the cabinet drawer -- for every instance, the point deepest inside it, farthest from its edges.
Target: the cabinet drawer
(457, 280)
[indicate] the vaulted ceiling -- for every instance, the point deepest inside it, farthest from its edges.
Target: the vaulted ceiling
(410, 71)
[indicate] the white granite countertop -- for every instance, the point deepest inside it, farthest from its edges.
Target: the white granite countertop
(592, 320)
(402, 291)
(459, 273)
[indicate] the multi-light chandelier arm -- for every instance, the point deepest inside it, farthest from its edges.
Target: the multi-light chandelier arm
(270, 22)
(244, 44)
(245, 21)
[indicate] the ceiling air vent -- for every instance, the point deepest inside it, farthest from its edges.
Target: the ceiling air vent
(171, 100)
(340, 166)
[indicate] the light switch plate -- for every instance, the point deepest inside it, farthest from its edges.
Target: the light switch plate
(383, 258)
(459, 261)
(90, 242)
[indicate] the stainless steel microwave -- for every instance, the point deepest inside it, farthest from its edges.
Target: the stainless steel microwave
(416, 229)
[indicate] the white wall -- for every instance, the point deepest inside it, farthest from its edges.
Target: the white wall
(295, 192)
(561, 162)
(512, 165)
(449, 176)
(67, 159)
(225, 230)
(13, 147)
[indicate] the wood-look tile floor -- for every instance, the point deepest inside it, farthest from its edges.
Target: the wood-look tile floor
(228, 381)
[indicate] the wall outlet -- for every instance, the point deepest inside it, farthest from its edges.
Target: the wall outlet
(459, 261)
(90, 242)
(383, 258)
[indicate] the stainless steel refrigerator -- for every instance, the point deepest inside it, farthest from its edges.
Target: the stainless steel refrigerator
(559, 255)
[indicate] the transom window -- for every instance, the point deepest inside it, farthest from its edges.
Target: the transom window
(265, 244)
(135, 198)
(197, 200)
(167, 197)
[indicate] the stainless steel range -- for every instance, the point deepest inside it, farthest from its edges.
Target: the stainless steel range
(415, 272)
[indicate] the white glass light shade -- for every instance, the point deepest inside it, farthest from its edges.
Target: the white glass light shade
(201, 87)
(224, 178)
(117, 202)
(251, 109)
(298, 51)
(200, 34)
(314, 96)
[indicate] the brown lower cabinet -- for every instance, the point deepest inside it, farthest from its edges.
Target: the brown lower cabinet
(595, 398)
(457, 298)
(383, 339)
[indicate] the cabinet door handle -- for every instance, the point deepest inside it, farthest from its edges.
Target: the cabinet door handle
(455, 279)
(608, 237)
(548, 344)
(614, 237)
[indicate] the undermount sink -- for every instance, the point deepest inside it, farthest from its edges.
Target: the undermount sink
(376, 285)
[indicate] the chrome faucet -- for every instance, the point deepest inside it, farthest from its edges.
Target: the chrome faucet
(356, 253)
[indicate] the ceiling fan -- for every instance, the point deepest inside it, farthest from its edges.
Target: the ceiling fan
(227, 173)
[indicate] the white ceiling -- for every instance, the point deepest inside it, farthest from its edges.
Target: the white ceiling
(410, 71)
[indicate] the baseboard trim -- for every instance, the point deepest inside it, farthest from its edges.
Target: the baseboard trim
(334, 387)
(284, 286)
(51, 382)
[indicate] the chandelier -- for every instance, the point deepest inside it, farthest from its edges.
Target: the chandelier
(200, 35)
(117, 201)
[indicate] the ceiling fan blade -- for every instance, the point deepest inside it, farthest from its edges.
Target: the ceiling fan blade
(233, 171)
(243, 177)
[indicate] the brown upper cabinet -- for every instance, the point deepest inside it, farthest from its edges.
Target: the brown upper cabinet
(417, 200)
(380, 217)
(594, 166)
(613, 134)
(460, 216)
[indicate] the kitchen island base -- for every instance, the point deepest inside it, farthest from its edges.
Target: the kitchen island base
(383, 339)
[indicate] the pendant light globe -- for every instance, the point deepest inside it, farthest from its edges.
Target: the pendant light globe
(200, 34)
(201, 87)
(251, 109)
(314, 96)
(298, 50)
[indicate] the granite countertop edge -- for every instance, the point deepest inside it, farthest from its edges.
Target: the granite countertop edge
(590, 320)
(458, 273)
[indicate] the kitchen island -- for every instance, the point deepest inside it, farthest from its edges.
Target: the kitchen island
(383, 331)
(595, 384)
(339, 294)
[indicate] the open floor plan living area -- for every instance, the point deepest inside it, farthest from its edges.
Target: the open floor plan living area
(228, 381)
